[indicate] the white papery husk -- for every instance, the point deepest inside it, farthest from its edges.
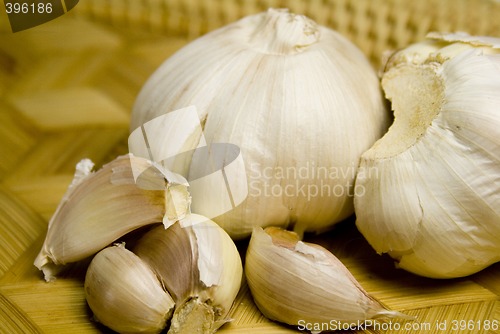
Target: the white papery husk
(300, 101)
(429, 190)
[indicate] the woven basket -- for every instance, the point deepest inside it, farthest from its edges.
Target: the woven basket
(67, 89)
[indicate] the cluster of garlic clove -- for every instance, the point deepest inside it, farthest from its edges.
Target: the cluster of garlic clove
(199, 264)
(184, 272)
(185, 277)
(297, 282)
(431, 185)
(300, 101)
(100, 207)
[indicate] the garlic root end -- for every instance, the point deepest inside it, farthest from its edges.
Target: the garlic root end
(193, 317)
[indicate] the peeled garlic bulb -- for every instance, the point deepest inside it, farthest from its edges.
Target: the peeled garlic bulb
(200, 266)
(100, 207)
(299, 100)
(432, 184)
(124, 294)
(295, 282)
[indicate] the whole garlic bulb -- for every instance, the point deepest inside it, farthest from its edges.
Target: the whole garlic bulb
(432, 183)
(300, 101)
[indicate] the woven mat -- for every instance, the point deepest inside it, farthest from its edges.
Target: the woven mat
(67, 88)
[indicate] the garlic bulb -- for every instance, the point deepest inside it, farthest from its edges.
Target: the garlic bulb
(199, 265)
(124, 293)
(98, 208)
(432, 184)
(299, 100)
(295, 282)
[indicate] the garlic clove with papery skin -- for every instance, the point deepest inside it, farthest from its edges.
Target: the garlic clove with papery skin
(124, 294)
(100, 207)
(200, 266)
(431, 185)
(296, 282)
(300, 101)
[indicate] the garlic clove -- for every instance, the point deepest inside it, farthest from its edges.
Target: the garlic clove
(100, 207)
(124, 294)
(200, 266)
(170, 253)
(293, 281)
(431, 195)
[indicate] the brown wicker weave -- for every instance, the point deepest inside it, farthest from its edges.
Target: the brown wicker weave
(67, 88)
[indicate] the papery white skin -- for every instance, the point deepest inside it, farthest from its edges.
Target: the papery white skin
(291, 95)
(434, 203)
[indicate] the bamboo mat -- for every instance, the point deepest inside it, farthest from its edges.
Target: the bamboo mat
(67, 88)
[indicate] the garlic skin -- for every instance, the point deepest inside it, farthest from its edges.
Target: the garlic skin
(100, 207)
(293, 281)
(432, 186)
(124, 294)
(300, 101)
(199, 264)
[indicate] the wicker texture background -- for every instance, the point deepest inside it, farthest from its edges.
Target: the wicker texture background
(66, 91)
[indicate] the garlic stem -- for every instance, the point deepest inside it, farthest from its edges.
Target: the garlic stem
(280, 34)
